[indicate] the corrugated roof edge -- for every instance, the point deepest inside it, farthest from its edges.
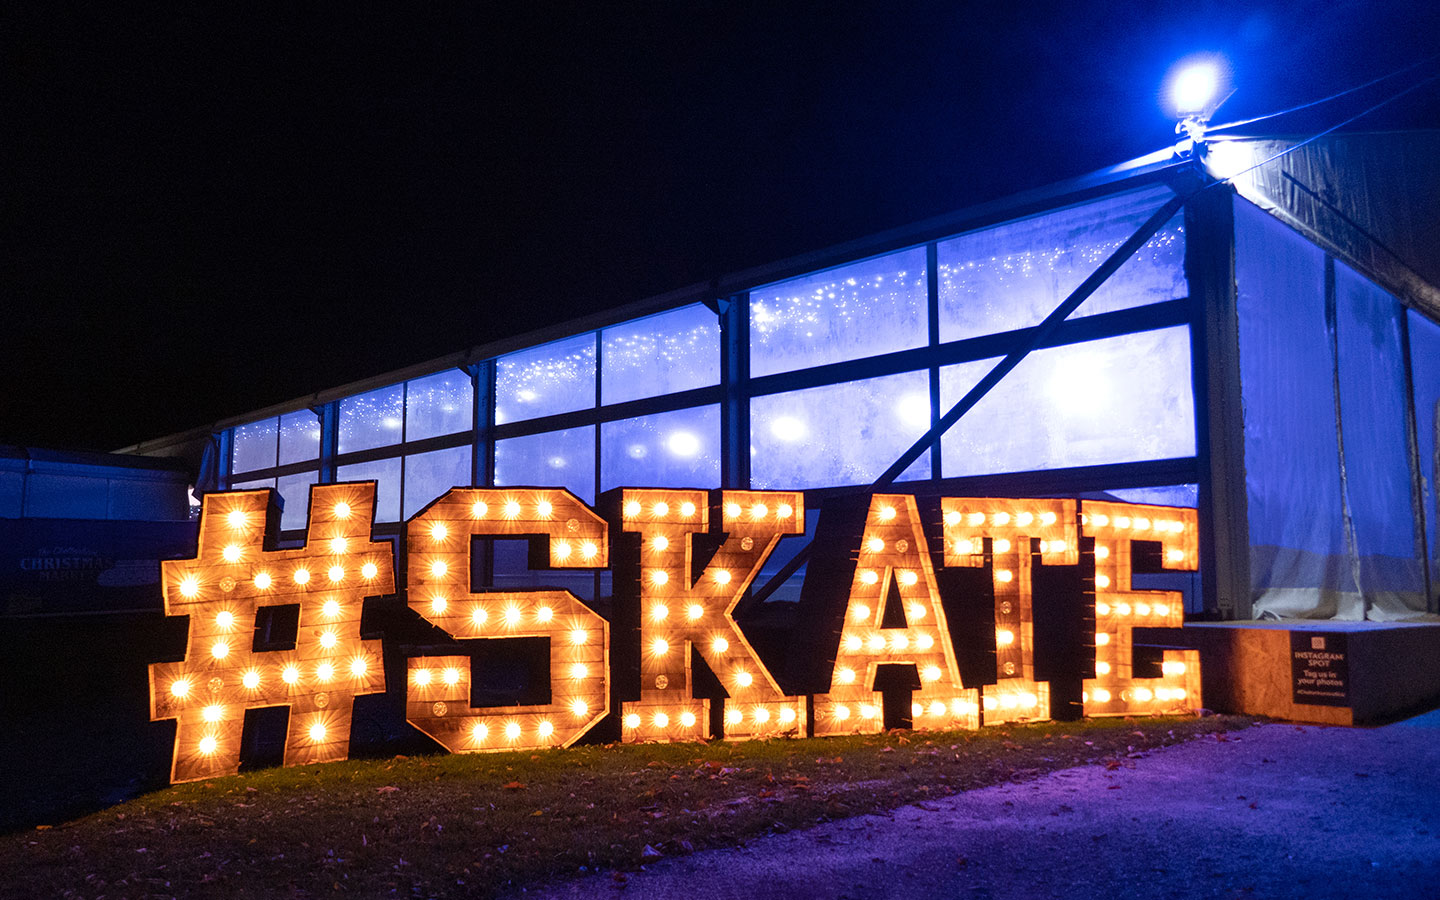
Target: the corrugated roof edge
(1136, 172)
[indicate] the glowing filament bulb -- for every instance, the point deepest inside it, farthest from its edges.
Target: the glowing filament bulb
(660, 509)
(937, 708)
(220, 650)
(231, 553)
(842, 713)
(924, 642)
(862, 613)
(720, 645)
(1024, 519)
(632, 720)
(562, 550)
(1102, 581)
(262, 581)
(1000, 518)
(291, 674)
(877, 642)
(661, 542)
(437, 605)
(694, 612)
(452, 676)
(589, 550)
(659, 647)
(180, 688)
(869, 576)
(687, 509)
(1101, 639)
(1004, 637)
(438, 568)
(208, 745)
(1142, 524)
(512, 615)
(250, 679)
(1100, 519)
(734, 717)
(1047, 518)
(1002, 546)
(1102, 667)
(875, 544)
(1143, 694)
(662, 720)
(1102, 551)
(544, 614)
(325, 671)
(225, 618)
(964, 546)
(1172, 667)
(1122, 609)
(784, 511)
(421, 677)
(887, 513)
(236, 518)
(1057, 546)
(952, 517)
(1004, 576)
(853, 643)
(632, 508)
(1122, 521)
(845, 676)
(479, 733)
(337, 573)
(369, 570)
(898, 641)
(545, 508)
(659, 576)
(478, 510)
(976, 518)
(687, 719)
(579, 636)
(1162, 609)
(659, 612)
(512, 731)
(512, 509)
(339, 545)
(189, 586)
(762, 715)
(915, 611)
(1175, 556)
(1102, 609)
(317, 732)
(301, 576)
(1142, 609)
(732, 510)
(579, 670)
(342, 510)
(579, 708)
(439, 532)
(908, 578)
(358, 666)
(331, 609)
(328, 639)
(1102, 695)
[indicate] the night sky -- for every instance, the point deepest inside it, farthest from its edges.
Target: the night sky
(203, 216)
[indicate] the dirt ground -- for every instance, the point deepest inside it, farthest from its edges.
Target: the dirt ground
(1273, 811)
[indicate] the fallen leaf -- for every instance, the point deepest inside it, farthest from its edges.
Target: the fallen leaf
(650, 853)
(514, 786)
(387, 789)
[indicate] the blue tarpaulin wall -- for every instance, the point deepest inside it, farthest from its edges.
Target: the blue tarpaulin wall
(1328, 468)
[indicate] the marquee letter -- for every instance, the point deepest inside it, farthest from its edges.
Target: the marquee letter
(221, 588)
(1008, 526)
(893, 552)
(1114, 690)
(438, 694)
(676, 613)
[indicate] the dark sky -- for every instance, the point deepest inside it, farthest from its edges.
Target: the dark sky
(203, 216)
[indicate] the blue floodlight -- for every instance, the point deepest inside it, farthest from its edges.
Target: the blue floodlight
(1194, 88)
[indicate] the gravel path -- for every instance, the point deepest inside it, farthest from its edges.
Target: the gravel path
(1272, 811)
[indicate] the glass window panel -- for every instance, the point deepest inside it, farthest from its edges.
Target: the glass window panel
(387, 492)
(553, 378)
(1015, 274)
(438, 404)
(838, 434)
(375, 419)
(428, 475)
(295, 489)
(252, 485)
(563, 458)
(299, 437)
(1121, 399)
(673, 449)
(865, 309)
(253, 446)
(663, 354)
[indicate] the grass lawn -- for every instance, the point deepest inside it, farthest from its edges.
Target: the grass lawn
(478, 824)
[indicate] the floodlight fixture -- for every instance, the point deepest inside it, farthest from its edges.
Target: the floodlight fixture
(1197, 87)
